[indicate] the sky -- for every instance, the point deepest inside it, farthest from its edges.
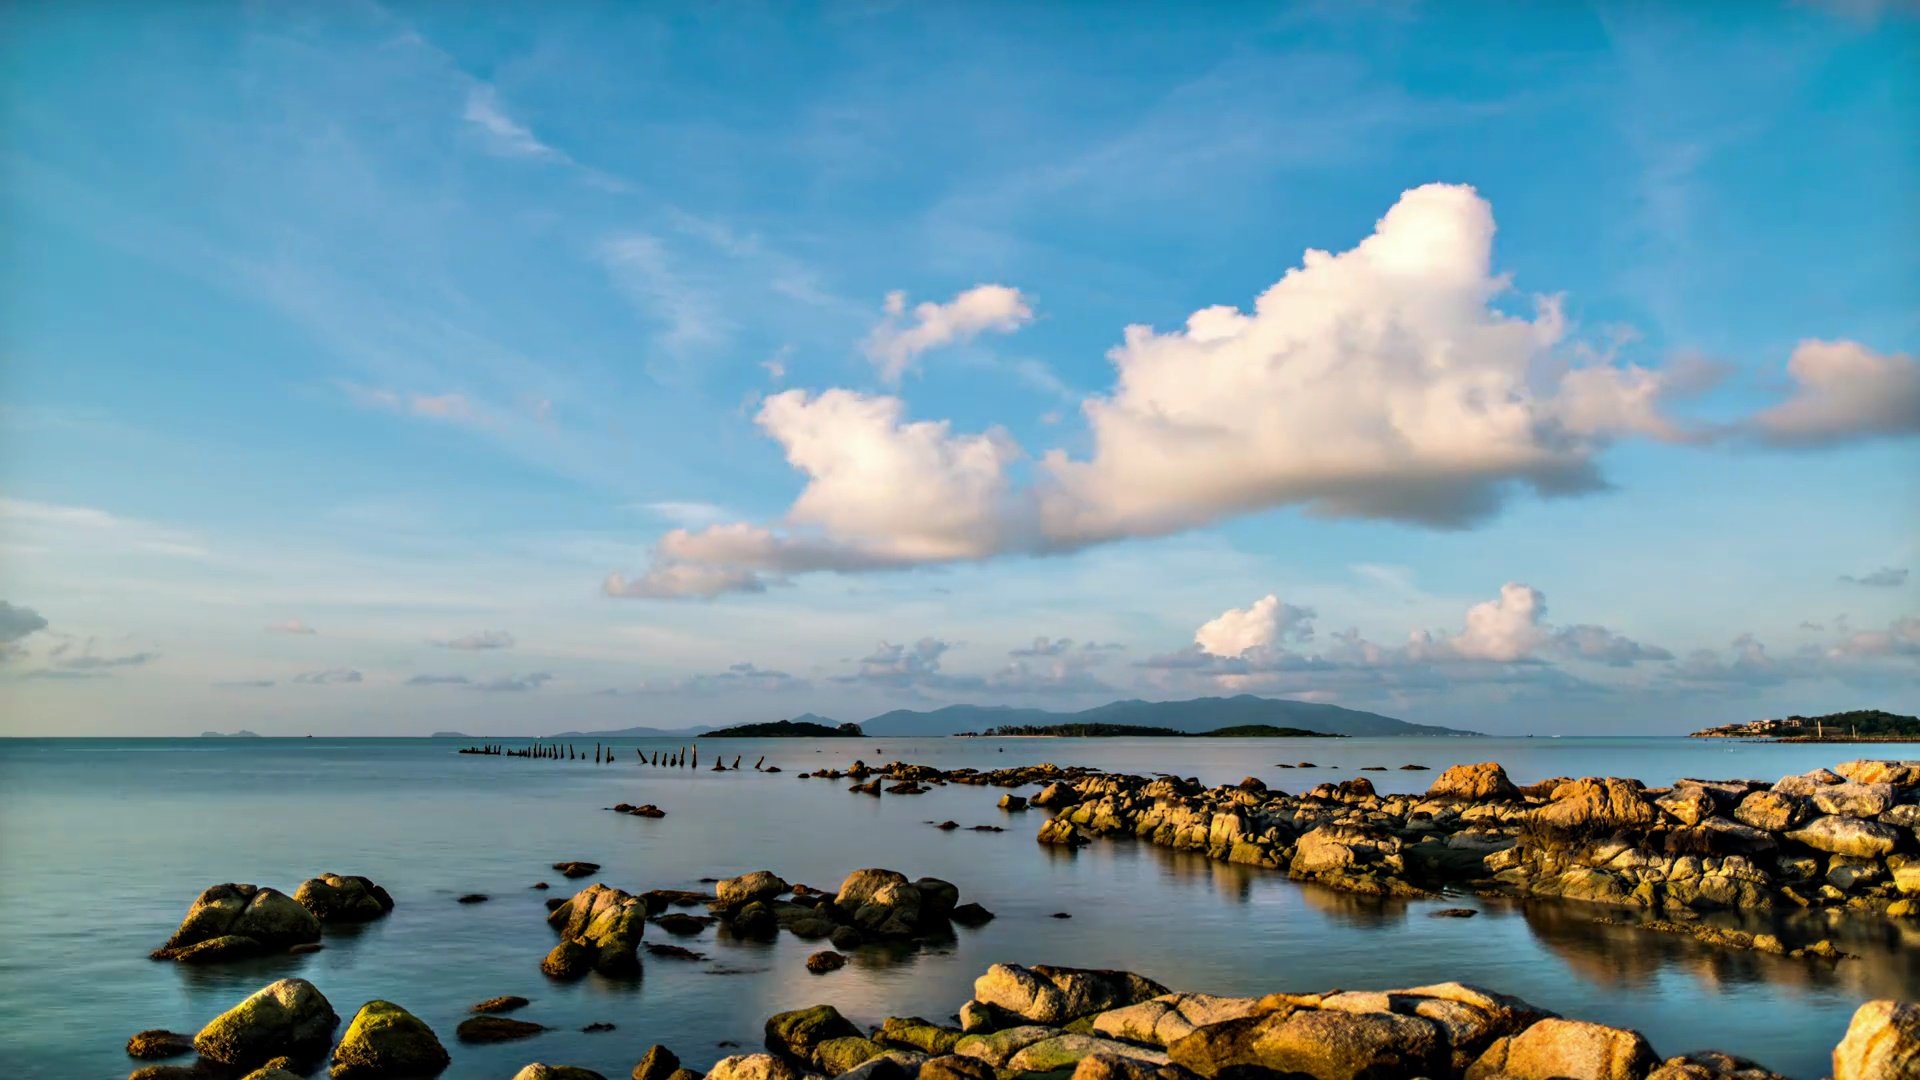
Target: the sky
(387, 369)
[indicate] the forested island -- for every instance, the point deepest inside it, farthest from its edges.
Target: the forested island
(1137, 731)
(786, 729)
(1857, 725)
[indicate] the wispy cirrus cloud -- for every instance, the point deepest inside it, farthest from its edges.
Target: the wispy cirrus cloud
(330, 677)
(1887, 577)
(478, 641)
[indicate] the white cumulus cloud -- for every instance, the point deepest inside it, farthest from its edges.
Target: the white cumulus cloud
(1267, 621)
(899, 340)
(1843, 391)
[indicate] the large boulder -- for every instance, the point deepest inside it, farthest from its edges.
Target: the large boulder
(289, 1017)
(914, 1033)
(1556, 1049)
(343, 898)
(540, 1071)
(1596, 803)
(1319, 1043)
(800, 1033)
(658, 1063)
(1477, 783)
(1057, 995)
(743, 890)
(1847, 836)
(885, 903)
(1065, 1051)
(1882, 1042)
(385, 1040)
(600, 930)
(267, 918)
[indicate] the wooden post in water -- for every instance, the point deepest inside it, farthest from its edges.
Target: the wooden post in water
(696, 755)
(736, 762)
(757, 764)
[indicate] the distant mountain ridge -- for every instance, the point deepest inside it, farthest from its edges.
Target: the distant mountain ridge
(1196, 716)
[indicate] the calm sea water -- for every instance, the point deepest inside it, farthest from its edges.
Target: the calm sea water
(103, 844)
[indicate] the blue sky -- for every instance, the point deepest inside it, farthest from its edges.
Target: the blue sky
(381, 369)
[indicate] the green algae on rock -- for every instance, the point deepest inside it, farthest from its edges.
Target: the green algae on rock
(385, 1040)
(290, 1017)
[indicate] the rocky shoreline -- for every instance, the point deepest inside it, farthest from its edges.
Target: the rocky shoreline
(1842, 840)
(1056, 1023)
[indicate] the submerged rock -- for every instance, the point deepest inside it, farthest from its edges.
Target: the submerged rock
(504, 1003)
(493, 1029)
(385, 1040)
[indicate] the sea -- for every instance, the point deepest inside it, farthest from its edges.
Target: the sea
(105, 842)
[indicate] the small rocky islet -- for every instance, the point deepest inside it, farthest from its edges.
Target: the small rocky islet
(1839, 841)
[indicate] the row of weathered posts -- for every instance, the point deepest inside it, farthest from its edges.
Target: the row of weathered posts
(686, 757)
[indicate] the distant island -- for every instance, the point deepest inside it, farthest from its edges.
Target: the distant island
(449, 735)
(786, 729)
(1138, 731)
(243, 733)
(1858, 725)
(1200, 716)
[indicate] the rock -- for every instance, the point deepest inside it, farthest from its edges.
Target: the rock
(268, 917)
(505, 1003)
(1554, 1049)
(1847, 836)
(1056, 794)
(472, 898)
(681, 924)
(970, 914)
(885, 1067)
(917, 1034)
(1453, 913)
(743, 890)
(1689, 805)
(658, 1063)
(343, 898)
(1854, 799)
(1064, 833)
(799, 1033)
(1323, 1044)
(881, 902)
(576, 869)
(1115, 1067)
(156, 1043)
(538, 1071)
(1897, 773)
(1062, 1051)
(753, 1067)
(1774, 811)
(1484, 782)
(1881, 1043)
(937, 898)
(600, 928)
(844, 1054)
(1711, 1065)
(271, 1071)
(1013, 802)
(385, 1040)
(996, 1048)
(956, 1067)
(216, 950)
(287, 1017)
(1058, 996)
(1171, 1017)
(1595, 802)
(493, 1029)
(755, 921)
(822, 962)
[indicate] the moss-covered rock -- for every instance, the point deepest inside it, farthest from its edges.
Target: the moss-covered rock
(914, 1033)
(289, 1017)
(343, 898)
(538, 1071)
(385, 1040)
(267, 917)
(836, 1056)
(799, 1033)
(658, 1063)
(157, 1043)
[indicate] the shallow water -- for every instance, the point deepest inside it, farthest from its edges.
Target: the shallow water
(104, 843)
